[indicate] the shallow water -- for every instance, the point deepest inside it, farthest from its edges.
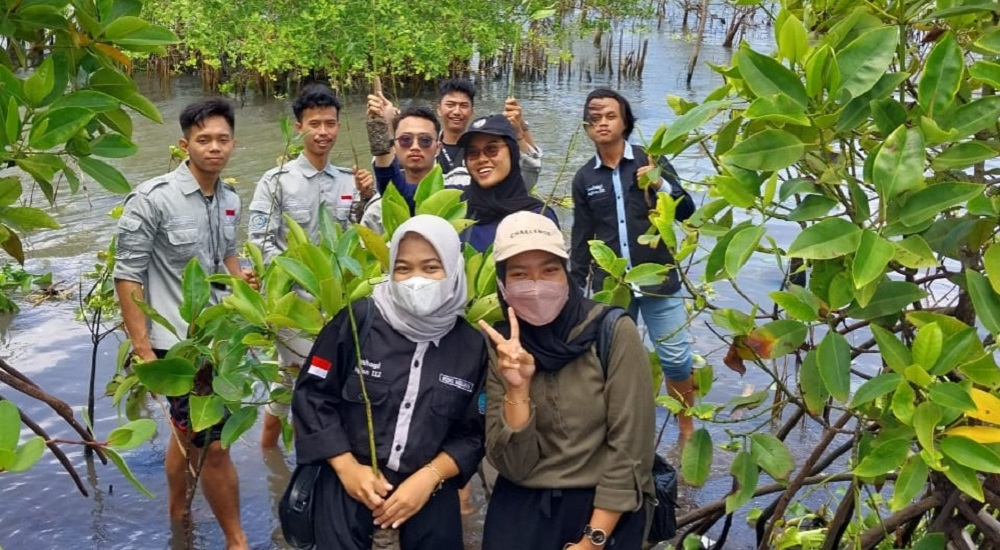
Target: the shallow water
(41, 508)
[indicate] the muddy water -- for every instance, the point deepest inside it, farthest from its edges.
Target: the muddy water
(41, 509)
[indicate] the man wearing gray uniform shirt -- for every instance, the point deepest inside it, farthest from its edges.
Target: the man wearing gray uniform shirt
(188, 213)
(299, 188)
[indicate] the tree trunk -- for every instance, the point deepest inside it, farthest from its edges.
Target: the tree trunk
(697, 42)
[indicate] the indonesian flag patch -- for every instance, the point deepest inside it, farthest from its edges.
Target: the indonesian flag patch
(319, 367)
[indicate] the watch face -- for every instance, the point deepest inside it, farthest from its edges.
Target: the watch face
(598, 537)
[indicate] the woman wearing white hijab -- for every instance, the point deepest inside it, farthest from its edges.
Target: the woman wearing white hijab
(423, 371)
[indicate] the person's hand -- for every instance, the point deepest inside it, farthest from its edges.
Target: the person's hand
(582, 545)
(145, 353)
(512, 111)
(362, 485)
(250, 276)
(642, 173)
(516, 365)
(407, 500)
(380, 107)
(364, 182)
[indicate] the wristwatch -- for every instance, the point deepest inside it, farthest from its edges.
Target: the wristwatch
(597, 536)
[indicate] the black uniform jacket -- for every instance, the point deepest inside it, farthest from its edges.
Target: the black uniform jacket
(425, 398)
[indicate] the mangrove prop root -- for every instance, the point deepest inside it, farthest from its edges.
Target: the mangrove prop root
(988, 531)
(57, 405)
(54, 448)
(789, 424)
(873, 535)
(803, 473)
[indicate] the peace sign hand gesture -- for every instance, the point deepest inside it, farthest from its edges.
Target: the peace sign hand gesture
(516, 365)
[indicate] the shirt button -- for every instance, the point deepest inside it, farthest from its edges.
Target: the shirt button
(416, 364)
(406, 405)
(621, 221)
(399, 447)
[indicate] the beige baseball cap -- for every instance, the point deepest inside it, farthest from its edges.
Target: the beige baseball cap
(524, 231)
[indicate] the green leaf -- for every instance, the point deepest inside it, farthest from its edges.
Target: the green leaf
(902, 403)
(883, 459)
(935, 199)
(206, 411)
(793, 41)
(777, 338)
(982, 370)
(746, 475)
(795, 306)
(951, 394)
(827, 239)
(975, 116)
(27, 218)
(771, 455)
(130, 32)
(172, 377)
(300, 273)
(237, 425)
(10, 426)
(964, 478)
(28, 454)
(741, 247)
(971, 454)
(984, 300)
(647, 274)
(915, 253)
(833, 357)
(696, 458)
(429, 186)
(814, 391)
(40, 84)
(56, 127)
(899, 164)
(12, 124)
(90, 100)
(991, 261)
(890, 298)
(872, 257)
(442, 202)
(155, 316)
(247, 302)
(863, 62)
(875, 388)
(692, 120)
(195, 291)
(941, 76)
(133, 434)
(766, 77)
(987, 72)
(103, 173)
(770, 149)
(230, 386)
(112, 145)
(927, 346)
(375, 244)
(777, 109)
(911, 482)
(10, 191)
(395, 211)
(963, 155)
(119, 462)
(926, 417)
(811, 208)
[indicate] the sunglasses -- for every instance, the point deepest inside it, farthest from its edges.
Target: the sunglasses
(425, 141)
(491, 151)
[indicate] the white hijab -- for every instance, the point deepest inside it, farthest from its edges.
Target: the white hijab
(433, 327)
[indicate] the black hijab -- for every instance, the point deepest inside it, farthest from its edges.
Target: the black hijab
(510, 195)
(550, 344)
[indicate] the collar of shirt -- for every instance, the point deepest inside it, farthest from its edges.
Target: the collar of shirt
(629, 154)
(185, 179)
(302, 164)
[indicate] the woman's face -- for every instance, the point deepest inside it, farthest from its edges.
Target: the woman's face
(486, 170)
(417, 258)
(536, 265)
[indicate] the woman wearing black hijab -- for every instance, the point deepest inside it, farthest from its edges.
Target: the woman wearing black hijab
(572, 441)
(497, 188)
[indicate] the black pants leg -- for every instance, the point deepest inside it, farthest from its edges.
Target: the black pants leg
(339, 521)
(547, 519)
(438, 525)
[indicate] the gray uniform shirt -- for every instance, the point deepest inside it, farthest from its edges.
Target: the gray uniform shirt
(298, 189)
(166, 222)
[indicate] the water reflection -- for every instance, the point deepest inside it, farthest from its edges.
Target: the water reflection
(41, 507)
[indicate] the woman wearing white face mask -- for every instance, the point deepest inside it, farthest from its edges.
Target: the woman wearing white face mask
(423, 371)
(571, 438)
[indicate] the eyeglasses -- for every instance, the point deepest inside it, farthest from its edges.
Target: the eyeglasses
(425, 141)
(491, 151)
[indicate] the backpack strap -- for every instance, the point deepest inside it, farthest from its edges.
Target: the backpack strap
(604, 336)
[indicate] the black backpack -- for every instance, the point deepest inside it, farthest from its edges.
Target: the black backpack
(664, 525)
(295, 511)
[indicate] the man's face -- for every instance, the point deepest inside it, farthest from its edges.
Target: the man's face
(319, 127)
(413, 157)
(605, 123)
(208, 146)
(455, 111)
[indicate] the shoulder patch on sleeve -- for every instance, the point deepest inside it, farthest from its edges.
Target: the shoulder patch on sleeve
(319, 367)
(258, 221)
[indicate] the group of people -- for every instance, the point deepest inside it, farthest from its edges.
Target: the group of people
(522, 392)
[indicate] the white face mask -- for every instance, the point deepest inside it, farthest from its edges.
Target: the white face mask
(419, 295)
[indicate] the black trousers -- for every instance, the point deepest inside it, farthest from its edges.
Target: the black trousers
(546, 519)
(342, 523)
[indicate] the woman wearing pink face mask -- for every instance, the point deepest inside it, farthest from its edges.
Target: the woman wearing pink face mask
(572, 441)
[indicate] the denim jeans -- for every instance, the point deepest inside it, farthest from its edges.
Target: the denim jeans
(665, 319)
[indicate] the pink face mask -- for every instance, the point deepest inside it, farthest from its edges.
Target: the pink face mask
(536, 302)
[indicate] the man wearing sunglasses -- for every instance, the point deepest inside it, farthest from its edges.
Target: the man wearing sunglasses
(415, 147)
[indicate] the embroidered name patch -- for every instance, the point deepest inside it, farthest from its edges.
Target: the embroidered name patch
(595, 190)
(319, 367)
(463, 385)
